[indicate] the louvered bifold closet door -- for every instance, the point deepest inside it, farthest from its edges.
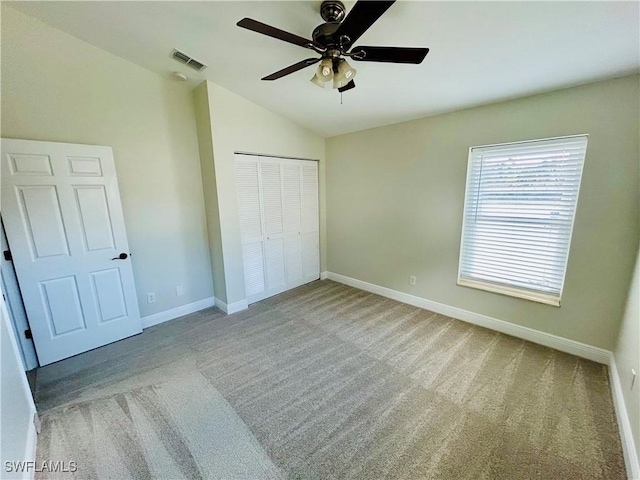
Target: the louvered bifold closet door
(251, 232)
(292, 201)
(310, 222)
(279, 225)
(274, 225)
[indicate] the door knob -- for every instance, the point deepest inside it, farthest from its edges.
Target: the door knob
(122, 256)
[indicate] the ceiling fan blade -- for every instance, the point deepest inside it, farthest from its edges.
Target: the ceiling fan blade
(274, 32)
(348, 86)
(363, 14)
(390, 54)
(292, 68)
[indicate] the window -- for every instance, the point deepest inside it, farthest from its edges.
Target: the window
(519, 208)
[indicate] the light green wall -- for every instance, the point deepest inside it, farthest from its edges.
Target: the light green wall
(239, 125)
(205, 144)
(58, 88)
(395, 198)
(627, 355)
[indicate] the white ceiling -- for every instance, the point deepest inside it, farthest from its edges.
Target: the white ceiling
(481, 52)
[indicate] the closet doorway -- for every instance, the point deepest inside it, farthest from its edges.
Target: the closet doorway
(279, 223)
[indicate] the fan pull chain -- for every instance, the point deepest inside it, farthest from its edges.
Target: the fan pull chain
(340, 98)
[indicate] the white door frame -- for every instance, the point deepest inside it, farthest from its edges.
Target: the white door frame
(13, 301)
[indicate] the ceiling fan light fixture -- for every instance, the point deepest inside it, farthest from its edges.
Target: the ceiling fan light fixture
(344, 75)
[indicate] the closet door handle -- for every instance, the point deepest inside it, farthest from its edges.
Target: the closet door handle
(122, 256)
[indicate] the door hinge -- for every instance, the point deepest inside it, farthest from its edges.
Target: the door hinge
(7, 255)
(27, 334)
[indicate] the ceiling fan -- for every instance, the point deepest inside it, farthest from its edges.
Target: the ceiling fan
(334, 40)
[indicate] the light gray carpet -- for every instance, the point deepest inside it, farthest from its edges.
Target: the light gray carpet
(328, 381)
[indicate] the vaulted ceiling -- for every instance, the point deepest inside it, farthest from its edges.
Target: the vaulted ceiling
(481, 52)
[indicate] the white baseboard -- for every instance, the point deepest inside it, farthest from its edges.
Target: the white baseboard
(626, 435)
(324, 275)
(231, 307)
(548, 340)
(177, 312)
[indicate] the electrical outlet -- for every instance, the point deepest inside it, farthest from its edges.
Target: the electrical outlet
(179, 290)
(151, 297)
(412, 280)
(633, 378)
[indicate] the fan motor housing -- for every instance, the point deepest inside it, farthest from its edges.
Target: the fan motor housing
(324, 34)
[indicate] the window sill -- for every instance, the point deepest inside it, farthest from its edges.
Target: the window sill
(510, 291)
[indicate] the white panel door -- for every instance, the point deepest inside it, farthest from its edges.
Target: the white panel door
(63, 218)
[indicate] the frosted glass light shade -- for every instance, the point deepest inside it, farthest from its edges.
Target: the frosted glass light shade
(317, 81)
(325, 70)
(345, 74)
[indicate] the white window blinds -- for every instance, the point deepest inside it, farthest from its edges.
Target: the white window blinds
(519, 208)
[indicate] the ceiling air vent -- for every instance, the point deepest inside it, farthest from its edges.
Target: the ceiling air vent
(187, 60)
